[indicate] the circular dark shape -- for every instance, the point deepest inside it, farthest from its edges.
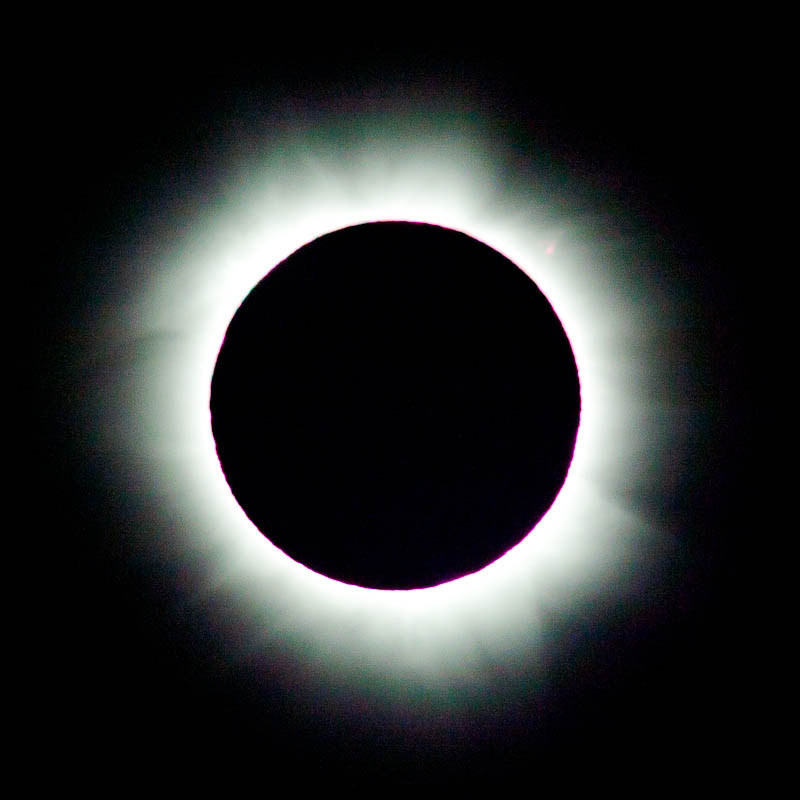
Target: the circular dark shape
(395, 405)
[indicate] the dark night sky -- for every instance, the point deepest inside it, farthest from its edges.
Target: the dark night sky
(123, 685)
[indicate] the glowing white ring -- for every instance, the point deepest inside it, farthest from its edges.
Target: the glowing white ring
(590, 547)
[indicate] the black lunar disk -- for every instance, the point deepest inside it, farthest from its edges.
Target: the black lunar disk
(395, 405)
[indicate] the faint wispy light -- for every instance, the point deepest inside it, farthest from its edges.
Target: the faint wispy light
(592, 547)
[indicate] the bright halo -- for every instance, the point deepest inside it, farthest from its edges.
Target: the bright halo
(593, 547)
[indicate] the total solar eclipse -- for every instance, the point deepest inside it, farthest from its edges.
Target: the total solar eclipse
(395, 405)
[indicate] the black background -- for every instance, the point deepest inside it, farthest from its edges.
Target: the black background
(117, 689)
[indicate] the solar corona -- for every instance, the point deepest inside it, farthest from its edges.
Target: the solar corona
(398, 405)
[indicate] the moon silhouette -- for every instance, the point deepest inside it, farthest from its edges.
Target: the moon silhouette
(395, 405)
